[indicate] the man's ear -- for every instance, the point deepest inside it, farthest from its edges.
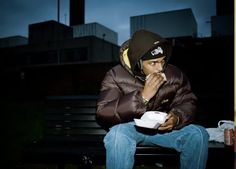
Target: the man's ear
(140, 64)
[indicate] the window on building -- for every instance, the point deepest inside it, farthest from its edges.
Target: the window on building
(74, 55)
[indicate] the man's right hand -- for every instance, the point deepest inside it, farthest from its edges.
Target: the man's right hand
(152, 84)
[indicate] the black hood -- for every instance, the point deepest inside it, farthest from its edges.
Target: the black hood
(143, 45)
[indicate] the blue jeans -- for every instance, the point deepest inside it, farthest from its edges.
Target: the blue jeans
(121, 140)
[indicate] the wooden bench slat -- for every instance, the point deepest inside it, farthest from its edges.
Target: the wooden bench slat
(72, 117)
(72, 110)
(72, 124)
(74, 132)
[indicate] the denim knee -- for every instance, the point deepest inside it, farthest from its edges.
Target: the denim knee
(120, 147)
(121, 135)
(194, 151)
(199, 133)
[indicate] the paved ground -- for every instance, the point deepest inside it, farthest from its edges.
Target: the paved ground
(42, 166)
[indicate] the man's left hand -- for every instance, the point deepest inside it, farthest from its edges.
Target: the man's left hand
(170, 123)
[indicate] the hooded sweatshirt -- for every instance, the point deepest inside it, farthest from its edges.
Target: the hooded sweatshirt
(120, 98)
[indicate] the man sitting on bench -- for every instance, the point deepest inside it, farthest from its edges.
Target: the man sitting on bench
(144, 81)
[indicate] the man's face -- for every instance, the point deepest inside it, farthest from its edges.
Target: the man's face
(153, 65)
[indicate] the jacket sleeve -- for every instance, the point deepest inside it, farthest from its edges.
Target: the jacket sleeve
(184, 103)
(114, 106)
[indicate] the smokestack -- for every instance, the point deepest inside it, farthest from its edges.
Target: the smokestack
(77, 12)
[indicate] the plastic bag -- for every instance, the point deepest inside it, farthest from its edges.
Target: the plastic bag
(217, 134)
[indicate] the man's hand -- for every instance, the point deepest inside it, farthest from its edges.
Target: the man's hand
(171, 122)
(152, 84)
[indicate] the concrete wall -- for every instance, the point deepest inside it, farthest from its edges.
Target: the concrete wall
(95, 29)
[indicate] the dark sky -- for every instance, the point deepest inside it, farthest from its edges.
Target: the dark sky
(16, 15)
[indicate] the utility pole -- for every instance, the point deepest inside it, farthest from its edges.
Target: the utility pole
(58, 10)
(58, 20)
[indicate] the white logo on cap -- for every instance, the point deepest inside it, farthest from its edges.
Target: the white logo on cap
(157, 51)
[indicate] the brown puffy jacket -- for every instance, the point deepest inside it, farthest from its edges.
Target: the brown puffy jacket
(121, 101)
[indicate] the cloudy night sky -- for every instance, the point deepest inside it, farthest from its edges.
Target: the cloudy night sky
(16, 15)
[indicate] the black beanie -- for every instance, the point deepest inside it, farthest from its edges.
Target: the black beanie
(147, 45)
(155, 52)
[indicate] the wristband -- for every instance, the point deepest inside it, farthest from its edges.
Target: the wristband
(145, 101)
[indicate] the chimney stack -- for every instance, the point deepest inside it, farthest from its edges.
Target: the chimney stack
(77, 12)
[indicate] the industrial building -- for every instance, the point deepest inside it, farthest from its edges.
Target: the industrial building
(170, 24)
(55, 62)
(51, 42)
(181, 23)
